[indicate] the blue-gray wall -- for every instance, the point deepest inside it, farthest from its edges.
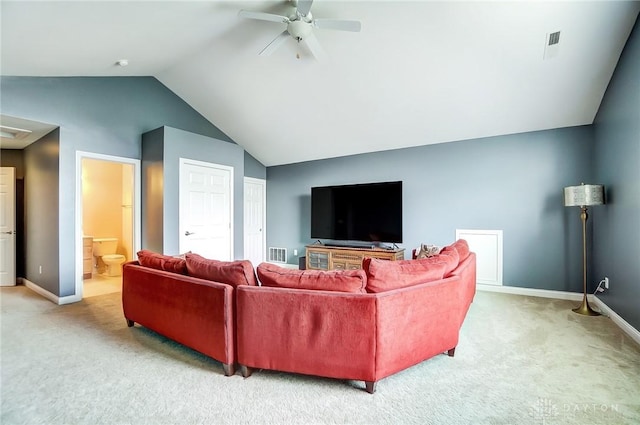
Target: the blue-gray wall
(152, 231)
(43, 215)
(511, 183)
(617, 156)
(162, 150)
(254, 168)
(98, 115)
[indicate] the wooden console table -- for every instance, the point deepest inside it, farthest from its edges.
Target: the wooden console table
(321, 257)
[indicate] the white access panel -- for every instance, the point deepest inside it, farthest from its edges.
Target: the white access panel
(487, 244)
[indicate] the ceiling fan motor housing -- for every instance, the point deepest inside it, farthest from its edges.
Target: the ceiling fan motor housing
(299, 29)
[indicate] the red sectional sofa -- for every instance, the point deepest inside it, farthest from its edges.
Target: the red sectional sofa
(189, 300)
(357, 325)
(351, 324)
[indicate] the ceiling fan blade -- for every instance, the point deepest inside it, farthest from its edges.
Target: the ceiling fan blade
(314, 46)
(261, 16)
(304, 7)
(273, 46)
(338, 24)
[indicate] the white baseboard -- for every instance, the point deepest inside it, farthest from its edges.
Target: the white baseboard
(632, 332)
(50, 296)
(531, 292)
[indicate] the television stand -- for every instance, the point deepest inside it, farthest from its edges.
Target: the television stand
(326, 257)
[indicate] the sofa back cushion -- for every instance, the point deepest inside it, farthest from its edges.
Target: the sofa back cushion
(335, 280)
(450, 257)
(462, 247)
(158, 261)
(385, 275)
(232, 273)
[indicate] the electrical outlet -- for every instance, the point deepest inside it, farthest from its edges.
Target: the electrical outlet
(295, 252)
(606, 282)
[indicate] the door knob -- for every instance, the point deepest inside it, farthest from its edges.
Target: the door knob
(188, 233)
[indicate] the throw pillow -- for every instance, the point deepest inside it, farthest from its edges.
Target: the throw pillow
(427, 251)
(183, 255)
(158, 261)
(385, 275)
(232, 273)
(334, 280)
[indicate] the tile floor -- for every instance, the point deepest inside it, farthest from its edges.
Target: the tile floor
(100, 284)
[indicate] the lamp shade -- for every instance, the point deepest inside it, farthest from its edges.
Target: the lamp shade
(583, 195)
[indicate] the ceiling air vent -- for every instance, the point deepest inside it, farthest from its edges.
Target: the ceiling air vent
(13, 133)
(552, 45)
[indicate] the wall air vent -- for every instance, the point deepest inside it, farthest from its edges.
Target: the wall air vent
(277, 255)
(554, 38)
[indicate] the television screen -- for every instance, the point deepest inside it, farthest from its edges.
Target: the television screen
(369, 212)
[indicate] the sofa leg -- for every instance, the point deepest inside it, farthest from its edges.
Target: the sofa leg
(229, 369)
(245, 371)
(451, 352)
(130, 323)
(370, 386)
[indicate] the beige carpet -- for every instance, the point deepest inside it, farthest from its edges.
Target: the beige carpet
(520, 360)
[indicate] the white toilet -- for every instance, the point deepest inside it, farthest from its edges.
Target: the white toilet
(104, 249)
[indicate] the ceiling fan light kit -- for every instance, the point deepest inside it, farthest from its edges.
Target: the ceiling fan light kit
(300, 26)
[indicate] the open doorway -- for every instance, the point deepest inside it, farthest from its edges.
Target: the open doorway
(107, 221)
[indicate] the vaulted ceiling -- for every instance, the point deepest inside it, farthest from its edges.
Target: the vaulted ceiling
(419, 72)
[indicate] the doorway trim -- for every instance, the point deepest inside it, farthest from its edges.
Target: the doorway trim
(137, 209)
(263, 187)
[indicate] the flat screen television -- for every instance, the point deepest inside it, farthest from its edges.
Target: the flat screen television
(370, 212)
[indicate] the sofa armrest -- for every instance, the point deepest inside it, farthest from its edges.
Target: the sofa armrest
(313, 332)
(416, 323)
(195, 312)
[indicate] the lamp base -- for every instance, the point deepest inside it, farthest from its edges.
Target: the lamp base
(585, 309)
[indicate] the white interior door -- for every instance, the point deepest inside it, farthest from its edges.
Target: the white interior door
(206, 209)
(7, 226)
(255, 240)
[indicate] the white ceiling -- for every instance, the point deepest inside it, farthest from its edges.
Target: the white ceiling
(25, 131)
(420, 72)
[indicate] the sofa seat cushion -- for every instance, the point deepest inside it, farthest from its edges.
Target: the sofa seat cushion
(335, 280)
(232, 273)
(385, 275)
(163, 262)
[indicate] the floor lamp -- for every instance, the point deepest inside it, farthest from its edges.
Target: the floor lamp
(584, 196)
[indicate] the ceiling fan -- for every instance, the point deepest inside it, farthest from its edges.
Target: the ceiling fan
(300, 26)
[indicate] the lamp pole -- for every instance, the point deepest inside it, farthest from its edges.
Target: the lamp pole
(584, 308)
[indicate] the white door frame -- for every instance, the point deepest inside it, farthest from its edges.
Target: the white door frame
(181, 229)
(10, 230)
(137, 210)
(263, 184)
